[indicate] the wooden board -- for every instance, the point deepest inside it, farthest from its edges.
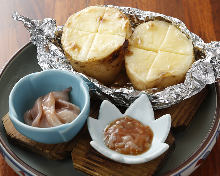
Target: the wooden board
(50, 151)
(86, 159)
(183, 112)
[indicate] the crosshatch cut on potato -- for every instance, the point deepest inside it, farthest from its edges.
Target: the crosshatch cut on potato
(159, 55)
(94, 40)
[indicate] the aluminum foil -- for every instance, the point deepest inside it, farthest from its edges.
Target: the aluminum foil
(206, 70)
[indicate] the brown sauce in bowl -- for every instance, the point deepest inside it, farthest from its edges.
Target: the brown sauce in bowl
(128, 136)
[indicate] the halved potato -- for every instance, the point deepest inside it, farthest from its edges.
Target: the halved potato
(94, 40)
(161, 55)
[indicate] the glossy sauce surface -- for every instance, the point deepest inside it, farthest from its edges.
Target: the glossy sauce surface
(128, 136)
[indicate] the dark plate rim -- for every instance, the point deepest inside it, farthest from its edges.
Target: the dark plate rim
(182, 165)
(208, 138)
(26, 166)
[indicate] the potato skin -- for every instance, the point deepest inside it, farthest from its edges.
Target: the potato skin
(104, 70)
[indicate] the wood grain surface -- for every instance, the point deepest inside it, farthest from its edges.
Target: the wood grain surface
(201, 17)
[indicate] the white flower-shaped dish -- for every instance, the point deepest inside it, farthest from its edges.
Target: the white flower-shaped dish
(141, 109)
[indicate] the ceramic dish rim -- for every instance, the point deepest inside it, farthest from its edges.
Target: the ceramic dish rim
(193, 156)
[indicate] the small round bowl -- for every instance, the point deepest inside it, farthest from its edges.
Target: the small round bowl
(29, 88)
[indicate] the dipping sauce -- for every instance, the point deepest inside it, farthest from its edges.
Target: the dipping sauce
(128, 136)
(51, 110)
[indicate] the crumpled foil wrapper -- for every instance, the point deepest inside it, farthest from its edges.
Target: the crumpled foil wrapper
(205, 70)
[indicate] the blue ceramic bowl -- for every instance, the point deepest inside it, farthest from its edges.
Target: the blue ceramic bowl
(32, 86)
